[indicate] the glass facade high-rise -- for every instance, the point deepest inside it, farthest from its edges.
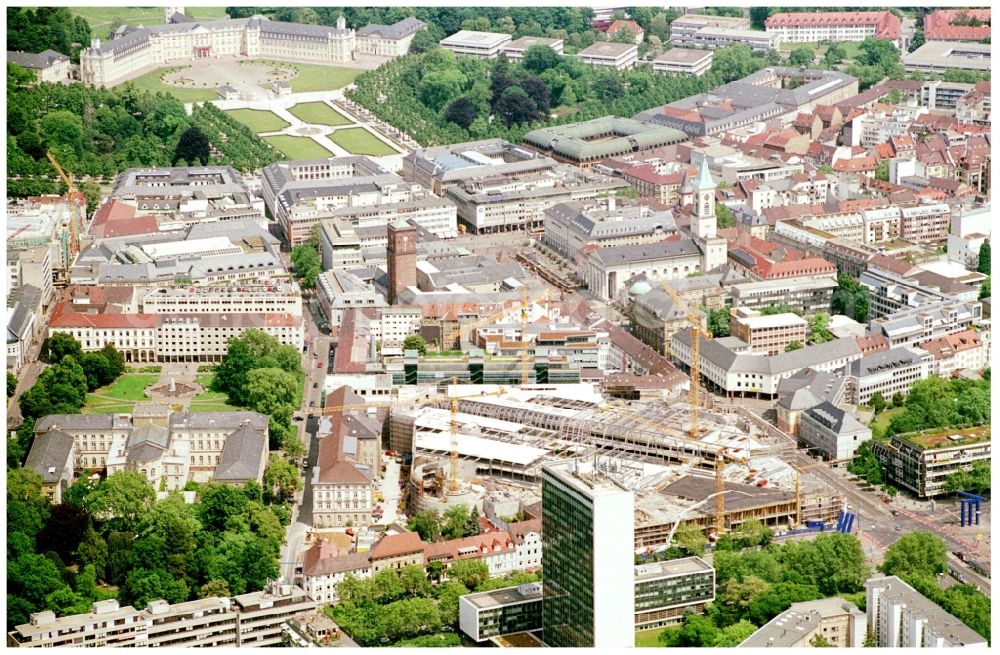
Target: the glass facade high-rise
(587, 556)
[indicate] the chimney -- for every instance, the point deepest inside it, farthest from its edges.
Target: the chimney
(95, 43)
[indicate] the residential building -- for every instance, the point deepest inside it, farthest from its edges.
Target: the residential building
(683, 61)
(587, 143)
(936, 57)
(133, 50)
(887, 372)
(342, 493)
(24, 322)
(757, 98)
(892, 291)
(484, 45)
(570, 226)
(250, 620)
(968, 231)
(396, 551)
(323, 568)
(514, 50)
(962, 351)
(940, 25)
(666, 591)
(36, 270)
(837, 621)
(655, 316)
(630, 25)
(48, 66)
(500, 187)
(683, 28)
(722, 37)
(587, 556)
(976, 105)
(921, 462)
(52, 457)
(910, 326)
(650, 181)
(833, 431)
(728, 368)
(801, 27)
(388, 40)
(805, 294)
(169, 448)
(488, 614)
(924, 222)
(767, 334)
(620, 56)
(901, 617)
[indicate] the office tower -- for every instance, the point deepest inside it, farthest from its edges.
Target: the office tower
(588, 556)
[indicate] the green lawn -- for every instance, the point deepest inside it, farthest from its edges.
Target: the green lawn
(850, 47)
(648, 638)
(359, 141)
(315, 77)
(259, 121)
(100, 18)
(205, 380)
(319, 113)
(151, 82)
(129, 386)
(298, 147)
(882, 419)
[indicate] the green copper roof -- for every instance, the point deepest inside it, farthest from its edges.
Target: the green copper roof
(705, 180)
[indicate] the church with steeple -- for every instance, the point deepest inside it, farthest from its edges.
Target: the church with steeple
(704, 223)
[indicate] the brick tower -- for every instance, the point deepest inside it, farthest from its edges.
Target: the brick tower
(401, 253)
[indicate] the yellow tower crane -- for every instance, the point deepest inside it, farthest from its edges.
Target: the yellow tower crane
(72, 197)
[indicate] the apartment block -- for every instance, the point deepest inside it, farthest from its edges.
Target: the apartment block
(767, 334)
(683, 29)
(666, 591)
(248, 621)
(722, 37)
(911, 326)
(683, 61)
(488, 614)
(901, 617)
(799, 27)
(836, 620)
(484, 45)
(888, 372)
(922, 461)
(620, 56)
(500, 187)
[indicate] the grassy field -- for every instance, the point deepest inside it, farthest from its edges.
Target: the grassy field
(314, 77)
(648, 638)
(129, 386)
(100, 18)
(151, 82)
(298, 147)
(850, 47)
(359, 141)
(259, 121)
(882, 420)
(319, 113)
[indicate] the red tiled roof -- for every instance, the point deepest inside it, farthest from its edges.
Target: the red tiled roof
(647, 173)
(886, 24)
(621, 24)
(939, 25)
(952, 344)
(66, 316)
(884, 151)
(855, 165)
(394, 545)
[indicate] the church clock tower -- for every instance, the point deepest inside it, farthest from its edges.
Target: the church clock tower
(704, 224)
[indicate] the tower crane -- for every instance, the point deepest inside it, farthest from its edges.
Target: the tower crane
(72, 197)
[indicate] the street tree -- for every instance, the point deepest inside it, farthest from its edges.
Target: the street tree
(983, 263)
(915, 553)
(282, 479)
(801, 56)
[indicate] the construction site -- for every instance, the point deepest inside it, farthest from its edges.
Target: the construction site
(478, 441)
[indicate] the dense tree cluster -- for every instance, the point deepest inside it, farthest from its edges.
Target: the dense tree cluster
(939, 403)
(47, 28)
(879, 59)
(918, 558)
(398, 606)
(718, 321)
(11, 384)
(985, 258)
(458, 521)
(305, 259)
(261, 374)
(238, 144)
(116, 532)
(438, 98)
(756, 585)
(850, 298)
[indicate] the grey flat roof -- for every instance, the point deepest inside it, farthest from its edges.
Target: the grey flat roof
(473, 38)
(500, 597)
(607, 49)
(683, 56)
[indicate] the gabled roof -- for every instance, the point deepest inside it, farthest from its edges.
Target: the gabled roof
(395, 545)
(242, 456)
(49, 455)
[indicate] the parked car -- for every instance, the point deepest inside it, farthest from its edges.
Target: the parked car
(319, 364)
(315, 385)
(297, 417)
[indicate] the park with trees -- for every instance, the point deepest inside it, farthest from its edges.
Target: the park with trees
(113, 539)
